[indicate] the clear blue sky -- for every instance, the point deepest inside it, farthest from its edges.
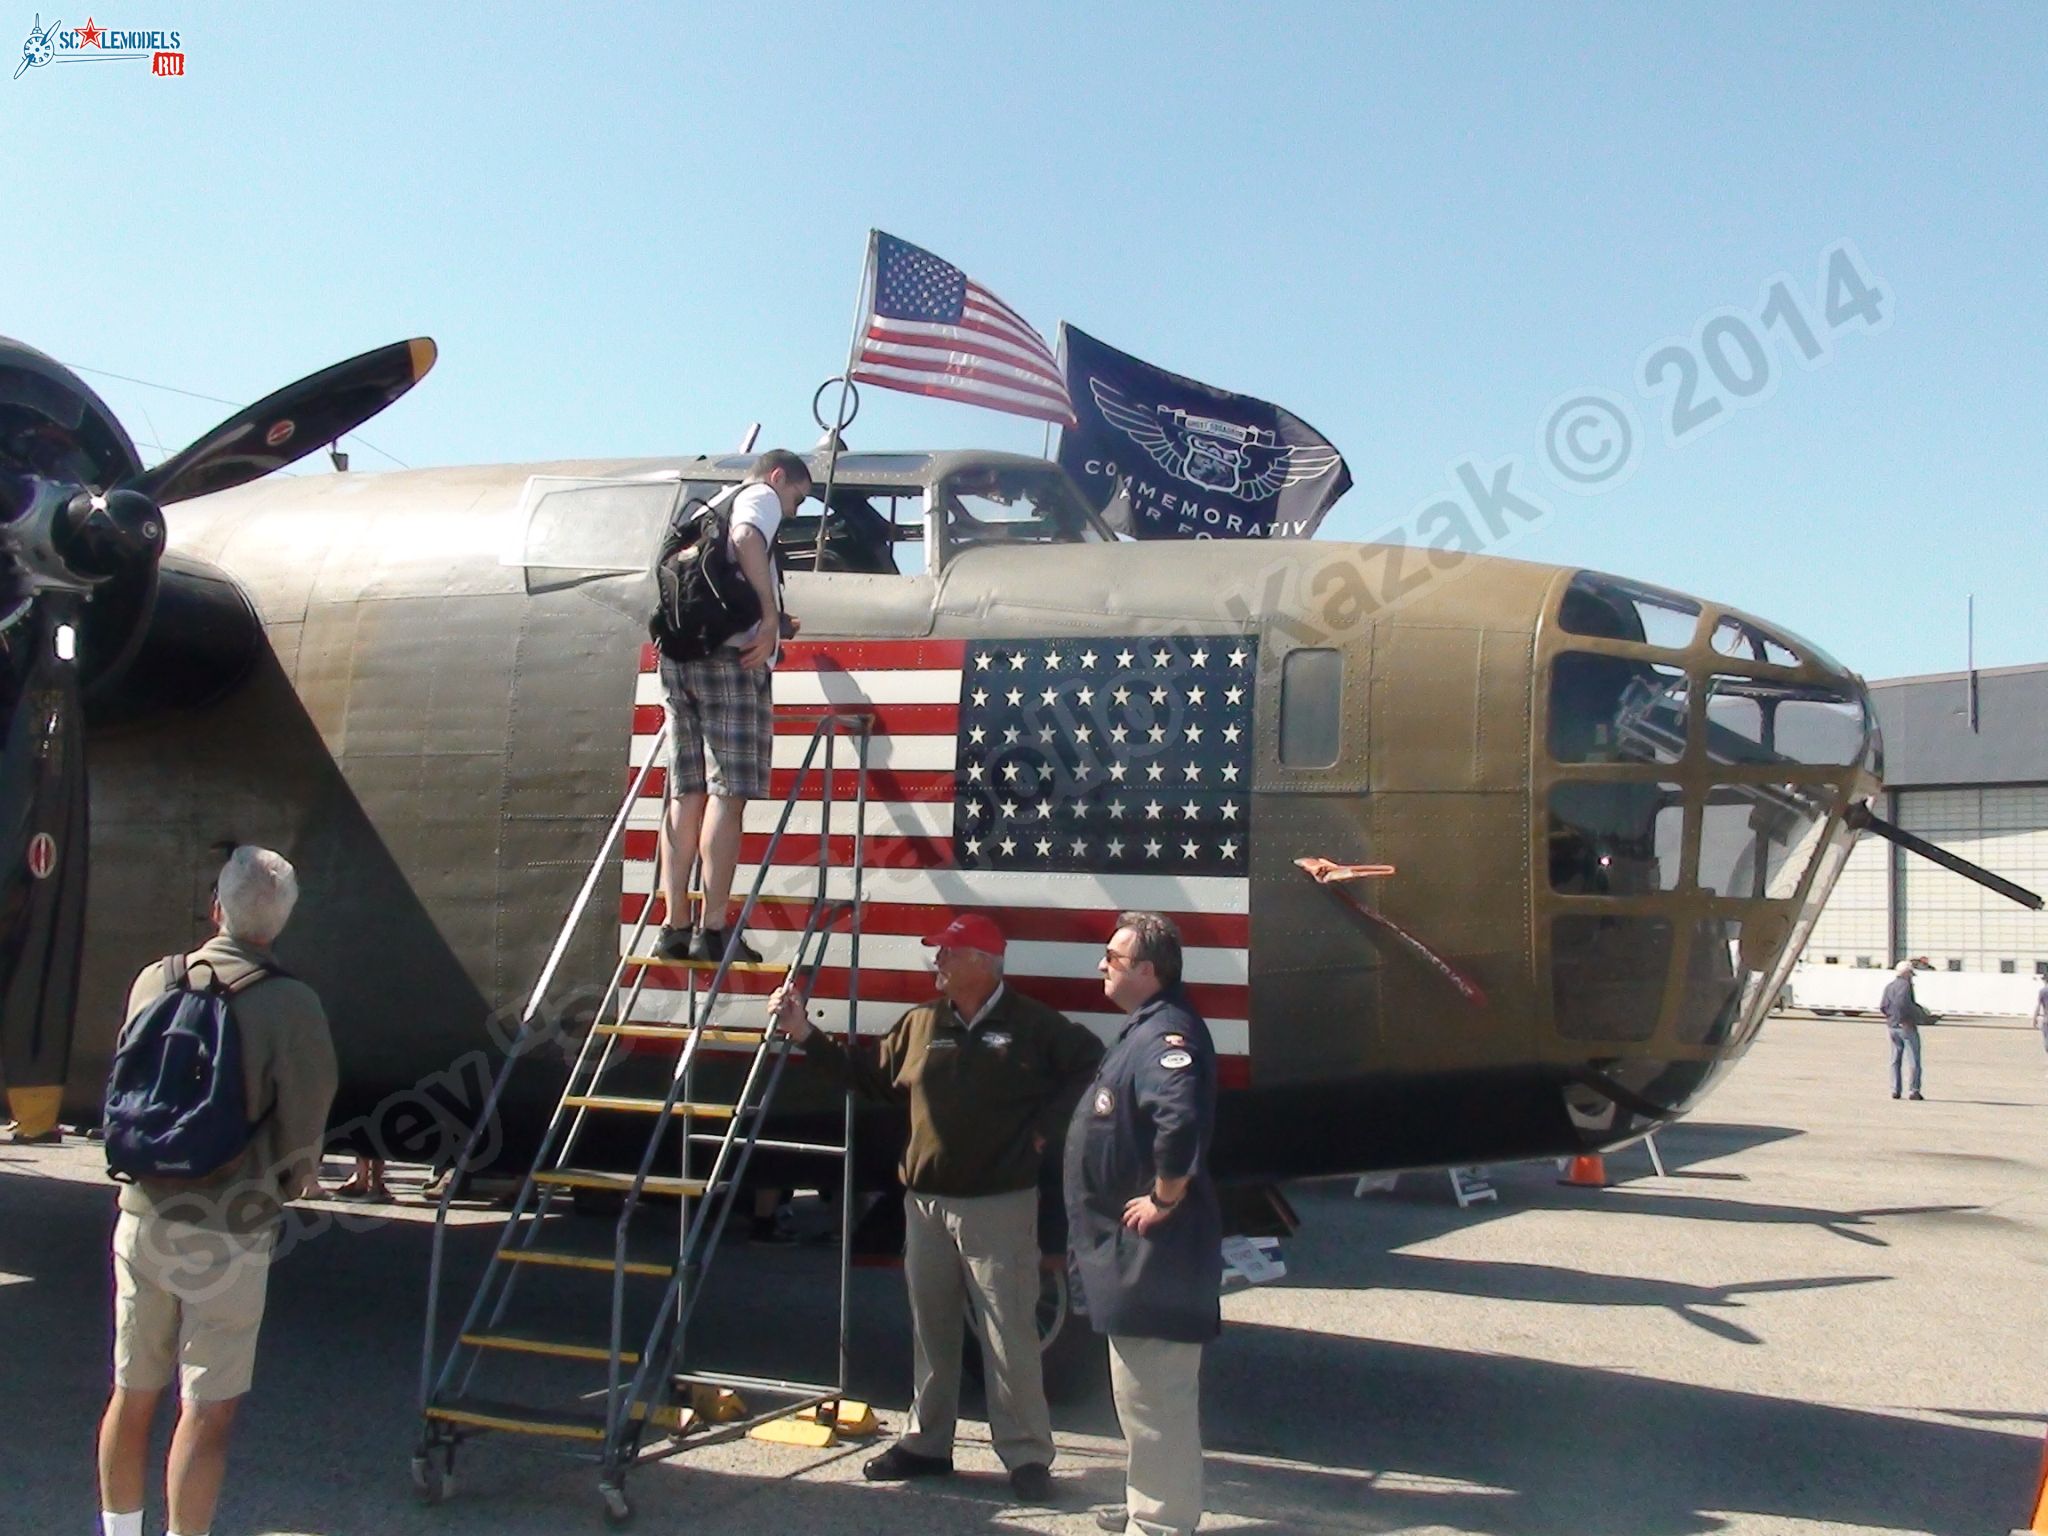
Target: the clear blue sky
(634, 229)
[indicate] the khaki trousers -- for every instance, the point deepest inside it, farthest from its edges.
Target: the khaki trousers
(981, 1250)
(1158, 1389)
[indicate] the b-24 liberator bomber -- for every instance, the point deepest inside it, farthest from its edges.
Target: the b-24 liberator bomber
(1612, 811)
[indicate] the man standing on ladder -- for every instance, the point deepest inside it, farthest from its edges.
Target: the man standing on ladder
(991, 1078)
(726, 704)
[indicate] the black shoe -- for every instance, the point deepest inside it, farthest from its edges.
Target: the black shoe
(896, 1465)
(709, 944)
(1032, 1482)
(1913, 1095)
(768, 1232)
(1116, 1521)
(674, 944)
(1895, 1093)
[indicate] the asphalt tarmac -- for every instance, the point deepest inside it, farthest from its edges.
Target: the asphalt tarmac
(1829, 1316)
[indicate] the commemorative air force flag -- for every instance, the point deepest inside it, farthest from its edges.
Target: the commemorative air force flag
(1195, 462)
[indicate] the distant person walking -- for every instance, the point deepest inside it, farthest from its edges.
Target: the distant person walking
(1903, 1017)
(192, 1255)
(2041, 1012)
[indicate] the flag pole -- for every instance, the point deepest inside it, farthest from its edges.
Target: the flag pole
(860, 316)
(1060, 344)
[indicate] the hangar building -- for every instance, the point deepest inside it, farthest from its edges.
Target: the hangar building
(1966, 767)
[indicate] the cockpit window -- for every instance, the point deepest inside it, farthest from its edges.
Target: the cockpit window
(1757, 839)
(1016, 506)
(1615, 838)
(1610, 709)
(1612, 609)
(1756, 720)
(877, 533)
(1607, 974)
(1734, 637)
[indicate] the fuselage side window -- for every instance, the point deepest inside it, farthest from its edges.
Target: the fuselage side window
(1311, 708)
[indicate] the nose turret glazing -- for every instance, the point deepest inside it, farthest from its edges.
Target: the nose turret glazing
(1691, 772)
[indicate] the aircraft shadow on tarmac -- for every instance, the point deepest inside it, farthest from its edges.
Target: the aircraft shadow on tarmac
(1523, 1446)
(1584, 1288)
(1314, 1430)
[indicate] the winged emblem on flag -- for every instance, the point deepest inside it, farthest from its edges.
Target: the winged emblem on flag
(1244, 462)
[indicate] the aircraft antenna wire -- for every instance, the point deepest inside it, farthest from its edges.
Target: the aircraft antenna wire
(193, 394)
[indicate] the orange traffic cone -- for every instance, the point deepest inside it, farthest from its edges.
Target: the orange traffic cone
(1588, 1171)
(2040, 1520)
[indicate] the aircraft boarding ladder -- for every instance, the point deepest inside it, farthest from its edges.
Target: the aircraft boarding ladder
(647, 1396)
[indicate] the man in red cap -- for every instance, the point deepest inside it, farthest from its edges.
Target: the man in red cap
(991, 1079)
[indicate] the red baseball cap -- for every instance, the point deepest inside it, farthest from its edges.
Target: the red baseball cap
(970, 931)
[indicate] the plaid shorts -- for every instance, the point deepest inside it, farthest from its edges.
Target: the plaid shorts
(717, 704)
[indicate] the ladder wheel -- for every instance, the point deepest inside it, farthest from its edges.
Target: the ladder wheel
(433, 1482)
(618, 1510)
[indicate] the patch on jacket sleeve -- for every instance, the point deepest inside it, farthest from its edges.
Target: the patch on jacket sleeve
(1175, 1060)
(1175, 1039)
(1105, 1102)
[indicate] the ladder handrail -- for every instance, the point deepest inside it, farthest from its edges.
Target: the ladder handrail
(523, 1041)
(650, 1382)
(831, 721)
(721, 1187)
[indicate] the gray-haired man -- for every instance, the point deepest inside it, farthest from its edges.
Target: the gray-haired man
(192, 1260)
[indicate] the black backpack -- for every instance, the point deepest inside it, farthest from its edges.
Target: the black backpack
(702, 597)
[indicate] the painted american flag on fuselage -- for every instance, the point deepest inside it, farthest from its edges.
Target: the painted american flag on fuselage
(1047, 783)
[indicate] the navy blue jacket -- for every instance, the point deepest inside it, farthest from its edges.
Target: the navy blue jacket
(1151, 1110)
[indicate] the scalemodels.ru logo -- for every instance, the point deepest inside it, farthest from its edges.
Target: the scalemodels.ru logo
(93, 43)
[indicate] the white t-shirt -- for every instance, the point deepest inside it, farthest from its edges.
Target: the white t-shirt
(757, 507)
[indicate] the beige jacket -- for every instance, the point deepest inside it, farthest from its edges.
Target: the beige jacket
(289, 1072)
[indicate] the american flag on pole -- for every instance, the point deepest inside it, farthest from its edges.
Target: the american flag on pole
(930, 329)
(1048, 784)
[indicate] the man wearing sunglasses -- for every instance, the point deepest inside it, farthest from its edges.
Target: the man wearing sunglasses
(990, 1077)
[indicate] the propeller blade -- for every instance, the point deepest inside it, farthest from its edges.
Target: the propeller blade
(1863, 819)
(284, 427)
(43, 833)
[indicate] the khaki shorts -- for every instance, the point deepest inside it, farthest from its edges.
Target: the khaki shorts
(190, 1298)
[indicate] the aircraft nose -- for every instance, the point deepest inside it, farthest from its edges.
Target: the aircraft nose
(1691, 800)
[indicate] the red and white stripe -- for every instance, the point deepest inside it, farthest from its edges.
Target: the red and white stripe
(992, 357)
(1056, 924)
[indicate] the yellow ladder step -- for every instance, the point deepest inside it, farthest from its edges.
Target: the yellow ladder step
(513, 1419)
(525, 1344)
(548, 1257)
(737, 968)
(594, 1178)
(647, 1106)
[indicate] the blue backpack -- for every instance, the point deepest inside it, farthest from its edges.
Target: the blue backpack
(177, 1105)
